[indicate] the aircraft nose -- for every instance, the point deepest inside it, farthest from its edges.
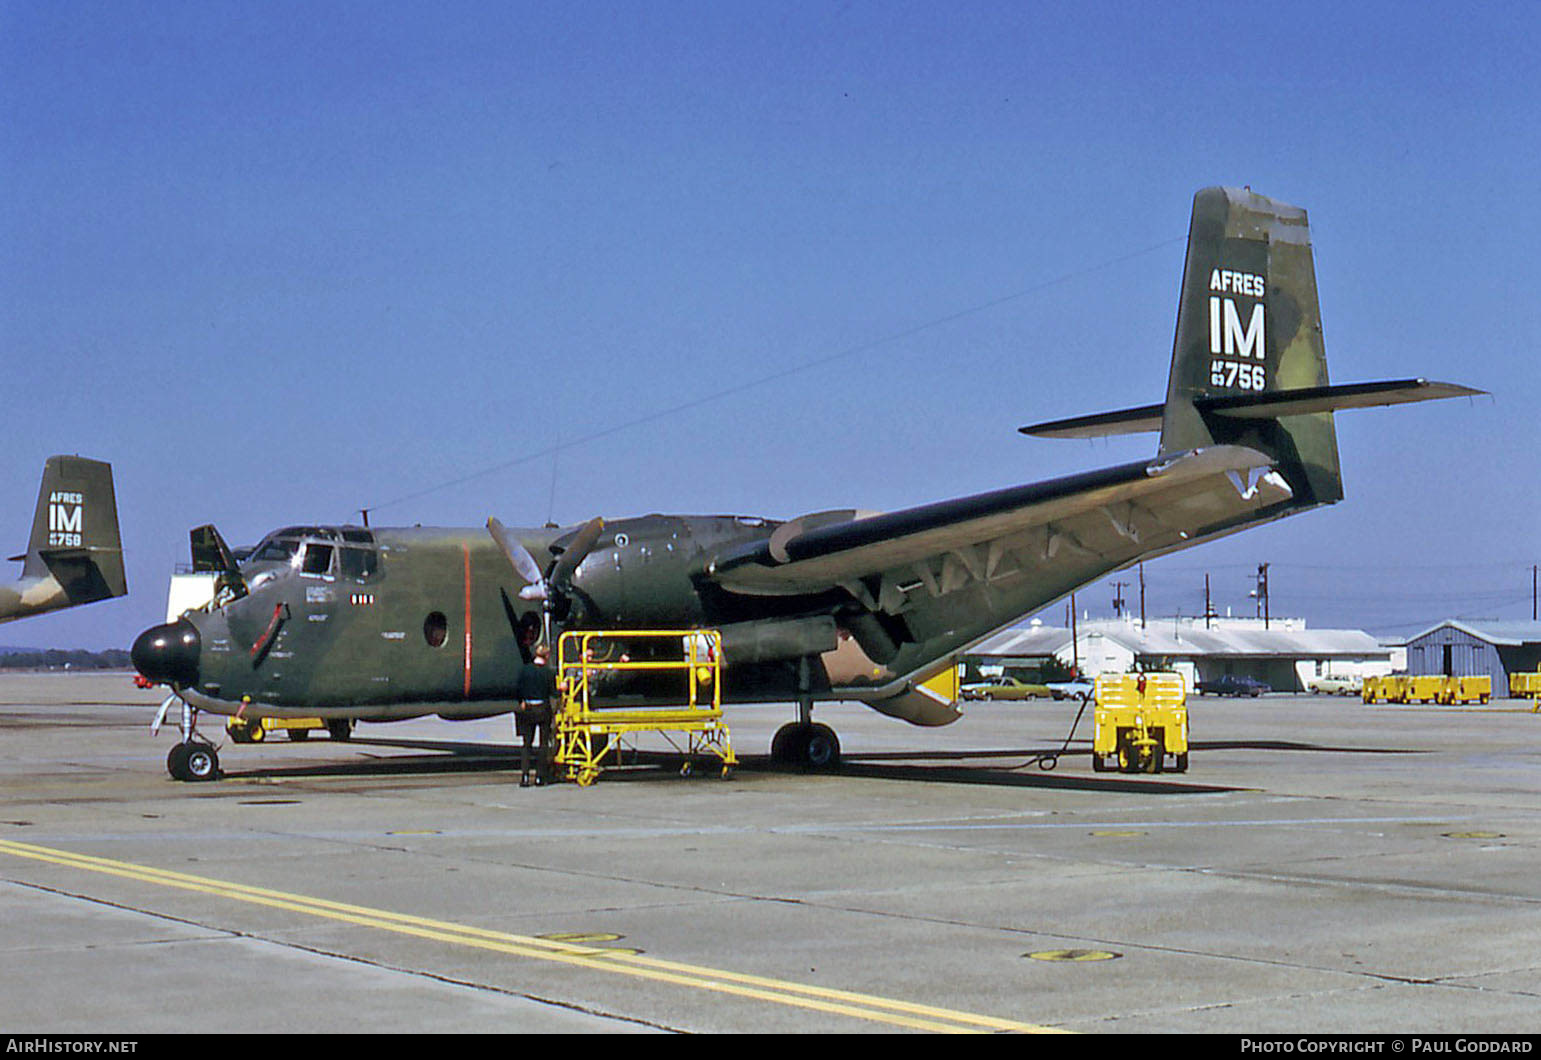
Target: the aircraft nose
(168, 654)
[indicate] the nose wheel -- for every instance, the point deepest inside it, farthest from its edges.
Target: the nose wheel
(193, 762)
(193, 758)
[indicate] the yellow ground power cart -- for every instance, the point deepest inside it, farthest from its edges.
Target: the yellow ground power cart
(1139, 720)
(1526, 686)
(1466, 690)
(591, 735)
(1390, 688)
(1423, 688)
(255, 730)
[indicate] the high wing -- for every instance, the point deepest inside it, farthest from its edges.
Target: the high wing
(925, 583)
(991, 537)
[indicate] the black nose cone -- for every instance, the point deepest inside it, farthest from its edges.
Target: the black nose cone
(168, 654)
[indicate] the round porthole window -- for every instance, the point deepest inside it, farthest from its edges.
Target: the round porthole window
(436, 629)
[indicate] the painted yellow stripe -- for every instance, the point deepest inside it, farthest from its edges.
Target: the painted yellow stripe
(838, 1002)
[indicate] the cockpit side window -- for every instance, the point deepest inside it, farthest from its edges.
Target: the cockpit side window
(317, 559)
(360, 564)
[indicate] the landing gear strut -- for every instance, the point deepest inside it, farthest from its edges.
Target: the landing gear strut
(194, 758)
(805, 742)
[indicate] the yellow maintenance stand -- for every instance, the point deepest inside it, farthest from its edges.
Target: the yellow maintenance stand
(1140, 719)
(590, 736)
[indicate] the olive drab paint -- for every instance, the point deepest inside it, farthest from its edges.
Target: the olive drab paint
(835, 605)
(74, 555)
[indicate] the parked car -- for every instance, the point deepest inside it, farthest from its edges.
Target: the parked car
(1004, 687)
(1335, 685)
(1233, 685)
(1070, 689)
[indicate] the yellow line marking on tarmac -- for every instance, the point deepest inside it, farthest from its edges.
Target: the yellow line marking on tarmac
(822, 999)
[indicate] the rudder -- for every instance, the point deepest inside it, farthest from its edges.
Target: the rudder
(75, 537)
(1248, 325)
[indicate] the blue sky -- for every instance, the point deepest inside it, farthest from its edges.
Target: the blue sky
(278, 262)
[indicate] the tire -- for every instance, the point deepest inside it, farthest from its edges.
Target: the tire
(176, 762)
(821, 748)
(201, 763)
(786, 745)
(298, 734)
(340, 728)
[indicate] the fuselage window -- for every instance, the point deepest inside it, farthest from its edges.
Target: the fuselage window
(436, 629)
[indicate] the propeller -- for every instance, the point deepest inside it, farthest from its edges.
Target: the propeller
(557, 579)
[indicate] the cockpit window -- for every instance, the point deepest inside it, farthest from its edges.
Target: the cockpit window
(355, 536)
(317, 559)
(275, 550)
(359, 564)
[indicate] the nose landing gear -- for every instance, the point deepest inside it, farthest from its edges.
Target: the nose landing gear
(194, 758)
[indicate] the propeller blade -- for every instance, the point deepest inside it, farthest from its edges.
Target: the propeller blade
(576, 552)
(523, 563)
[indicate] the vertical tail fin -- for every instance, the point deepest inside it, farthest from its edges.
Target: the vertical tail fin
(1249, 325)
(75, 531)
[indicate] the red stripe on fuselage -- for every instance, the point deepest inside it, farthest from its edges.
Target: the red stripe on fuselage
(466, 686)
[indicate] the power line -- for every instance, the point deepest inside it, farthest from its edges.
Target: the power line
(818, 362)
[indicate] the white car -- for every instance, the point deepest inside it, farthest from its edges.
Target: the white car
(1335, 685)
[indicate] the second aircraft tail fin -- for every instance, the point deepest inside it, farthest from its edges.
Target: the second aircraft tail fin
(75, 535)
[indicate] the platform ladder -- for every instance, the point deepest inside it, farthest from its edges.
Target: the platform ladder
(591, 736)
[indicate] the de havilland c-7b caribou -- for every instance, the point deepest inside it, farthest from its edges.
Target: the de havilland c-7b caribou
(377, 624)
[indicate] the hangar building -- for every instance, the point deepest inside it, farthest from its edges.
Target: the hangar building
(1285, 654)
(1473, 649)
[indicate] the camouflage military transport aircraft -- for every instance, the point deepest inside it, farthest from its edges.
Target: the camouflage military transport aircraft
(74, 555)
(379, 624)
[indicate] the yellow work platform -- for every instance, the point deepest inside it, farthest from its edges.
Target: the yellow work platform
(590, 736)
(1140, 719)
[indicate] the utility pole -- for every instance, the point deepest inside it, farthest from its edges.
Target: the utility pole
(1209, 611)
(1118, 599)
(1075, 646)
(1142, 596)
(1262, 590)
(1533, 568)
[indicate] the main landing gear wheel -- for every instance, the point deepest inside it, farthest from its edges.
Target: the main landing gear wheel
(813, 746)
(193, 762)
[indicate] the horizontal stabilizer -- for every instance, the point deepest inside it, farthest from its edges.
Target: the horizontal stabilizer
(1304, 401)
(1101, 424)
(1269, 405)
